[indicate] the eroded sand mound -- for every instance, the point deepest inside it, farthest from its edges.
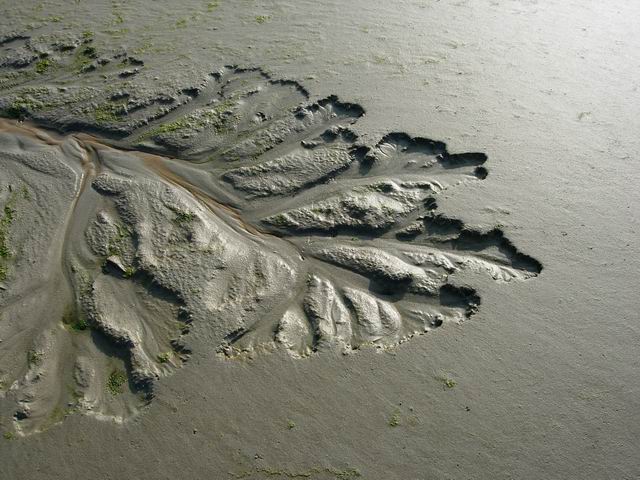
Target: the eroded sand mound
(236, 214)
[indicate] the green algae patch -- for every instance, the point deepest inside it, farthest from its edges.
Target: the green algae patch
(42, 66)
(115, 382)
(109, 112)
(9, 214)
(73, 321)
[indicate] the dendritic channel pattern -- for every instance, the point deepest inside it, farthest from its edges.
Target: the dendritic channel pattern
(234, 217)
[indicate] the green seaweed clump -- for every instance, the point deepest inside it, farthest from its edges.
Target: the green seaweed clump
(394, 420)
(33, 358)
(164, 357)
(8, 216)
(184, 217)
(43, 65)
(116, 381)
(108, 112)
(74, 321)
(447, 382)
(118, 243)
(21, 106)
(84, 58)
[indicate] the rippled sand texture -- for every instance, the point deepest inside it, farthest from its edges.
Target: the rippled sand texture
(239, 206)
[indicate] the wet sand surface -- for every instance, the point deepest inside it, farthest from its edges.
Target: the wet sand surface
(303, 284)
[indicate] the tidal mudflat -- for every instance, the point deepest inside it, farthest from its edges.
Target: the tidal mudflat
(300, 240)
(243, 208)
